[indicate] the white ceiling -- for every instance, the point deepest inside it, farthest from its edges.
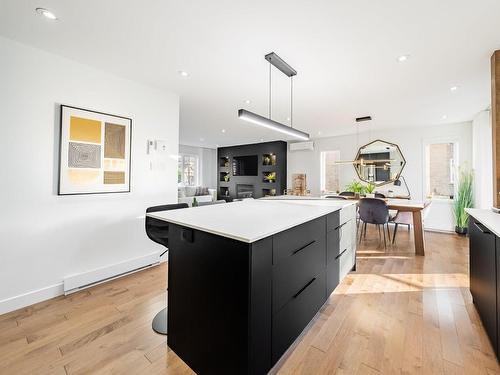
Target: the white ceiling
(345, 53)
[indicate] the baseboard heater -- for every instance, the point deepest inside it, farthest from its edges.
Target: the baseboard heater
(77, 282)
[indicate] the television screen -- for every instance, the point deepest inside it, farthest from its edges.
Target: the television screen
(245, 165)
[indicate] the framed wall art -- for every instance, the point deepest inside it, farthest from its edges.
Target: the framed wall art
(94, 153)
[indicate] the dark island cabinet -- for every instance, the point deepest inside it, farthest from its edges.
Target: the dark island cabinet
(484, 264)
(236, 307)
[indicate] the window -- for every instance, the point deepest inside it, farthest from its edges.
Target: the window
(330, 171)
(187, 173)
(440, 169)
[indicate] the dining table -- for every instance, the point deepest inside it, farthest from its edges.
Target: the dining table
(400, 204)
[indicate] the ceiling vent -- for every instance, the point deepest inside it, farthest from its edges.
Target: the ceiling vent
(365, 118)
(302, 146)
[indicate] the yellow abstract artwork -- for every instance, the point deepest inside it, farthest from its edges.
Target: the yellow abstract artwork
(84, 130)
(83, 177)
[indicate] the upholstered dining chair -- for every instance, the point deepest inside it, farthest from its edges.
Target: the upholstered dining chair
(157, 231)
(374, 211)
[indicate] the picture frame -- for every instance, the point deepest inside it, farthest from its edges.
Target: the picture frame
(94, 152)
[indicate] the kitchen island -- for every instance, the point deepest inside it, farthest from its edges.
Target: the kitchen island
(245, 278)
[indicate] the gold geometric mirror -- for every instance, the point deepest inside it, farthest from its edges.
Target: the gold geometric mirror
(379, 162)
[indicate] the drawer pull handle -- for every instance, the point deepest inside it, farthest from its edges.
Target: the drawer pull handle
(303, 288)
(303, 247)
(482, 228)
(340, 226)
(342, 253)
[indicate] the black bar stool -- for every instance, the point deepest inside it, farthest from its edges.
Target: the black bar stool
(157, 231)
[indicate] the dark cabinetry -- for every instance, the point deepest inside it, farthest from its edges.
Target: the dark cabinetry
(235, 307)
(484, 277)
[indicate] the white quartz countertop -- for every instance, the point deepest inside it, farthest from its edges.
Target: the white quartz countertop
(251, 220)
(488, 218)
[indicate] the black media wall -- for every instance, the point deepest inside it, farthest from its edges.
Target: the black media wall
(271, 157)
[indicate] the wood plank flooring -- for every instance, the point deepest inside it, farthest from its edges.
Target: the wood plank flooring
(397, 314)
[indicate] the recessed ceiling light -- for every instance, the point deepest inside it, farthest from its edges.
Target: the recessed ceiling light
(248, 101)
(288, 119)
(403, 58)
(46, 13)
(453, 88)
(223, 130)
(202, 139)
(319, 133)
(183, 73)
(444, 117)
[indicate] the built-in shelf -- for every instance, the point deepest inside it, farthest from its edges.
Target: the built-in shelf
(268, 159)
(224, 176)
(224, 162)
(269, 177)
(269, 192)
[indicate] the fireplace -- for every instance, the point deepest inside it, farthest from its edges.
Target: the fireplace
(244, 191)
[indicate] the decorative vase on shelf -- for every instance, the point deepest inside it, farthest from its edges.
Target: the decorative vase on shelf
(195, 202)
(370, 195)
(460, 230)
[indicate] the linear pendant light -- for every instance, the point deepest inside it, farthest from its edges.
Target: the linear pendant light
(265, 122)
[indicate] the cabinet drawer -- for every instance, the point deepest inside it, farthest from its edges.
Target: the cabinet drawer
(294, 317)
(332, 276)
(287, 242)
(332, 244)
(293, 272)
(332, 221)
(347, 261)
(483, 280)
(338, 268)
(345, 233)
(348, 213)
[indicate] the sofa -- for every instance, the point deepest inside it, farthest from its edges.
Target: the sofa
(186, 194)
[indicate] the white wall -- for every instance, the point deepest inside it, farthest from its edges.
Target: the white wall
(482, 160)
(411, 142)
(45, 237)
(208, 164)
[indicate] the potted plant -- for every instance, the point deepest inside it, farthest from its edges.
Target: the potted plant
(370, 190)
(356, 187)
(462, 200)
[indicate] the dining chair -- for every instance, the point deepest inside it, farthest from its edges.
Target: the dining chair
(157, 231)
(374, 211)
(401, 218)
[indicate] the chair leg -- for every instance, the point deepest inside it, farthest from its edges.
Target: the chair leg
(408, 228)
(395, 231)
(365, 230)
(379, 235)
(361, 232)
(388, 232)
(385, 241)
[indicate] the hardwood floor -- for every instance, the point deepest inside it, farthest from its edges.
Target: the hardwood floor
(397, 314)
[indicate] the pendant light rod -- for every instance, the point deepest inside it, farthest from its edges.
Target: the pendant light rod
(270, 124)
(254, 118)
